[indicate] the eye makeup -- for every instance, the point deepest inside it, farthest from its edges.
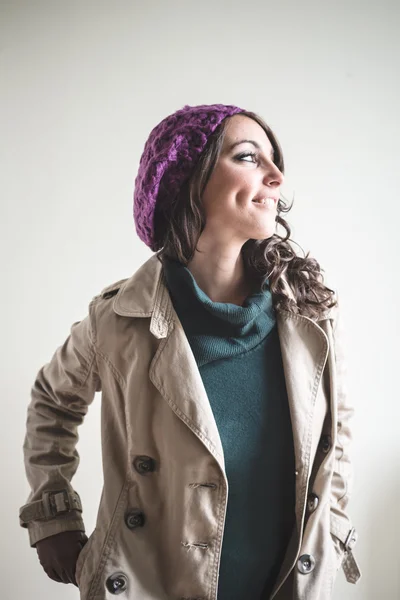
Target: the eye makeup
(244, 154)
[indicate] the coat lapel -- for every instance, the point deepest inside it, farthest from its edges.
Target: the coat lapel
(175, 374)
(304, 349)
(173, 369)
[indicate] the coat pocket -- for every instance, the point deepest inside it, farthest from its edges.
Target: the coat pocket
(82, 556)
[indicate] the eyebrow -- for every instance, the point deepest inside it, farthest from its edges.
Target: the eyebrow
(256, 144)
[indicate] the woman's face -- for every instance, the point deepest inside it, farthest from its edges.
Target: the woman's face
(242, 173)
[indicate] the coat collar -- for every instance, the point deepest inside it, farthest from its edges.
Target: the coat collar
(145, 294)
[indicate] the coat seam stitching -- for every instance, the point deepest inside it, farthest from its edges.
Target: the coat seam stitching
(337, 462)
(112, 368)
(108, 540)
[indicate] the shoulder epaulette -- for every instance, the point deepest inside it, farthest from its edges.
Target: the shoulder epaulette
(111, 290)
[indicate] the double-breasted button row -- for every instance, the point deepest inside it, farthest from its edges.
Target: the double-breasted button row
(143, 464)
(135, 517)
(118, 582)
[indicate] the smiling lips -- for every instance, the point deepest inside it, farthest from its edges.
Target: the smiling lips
(267, 202)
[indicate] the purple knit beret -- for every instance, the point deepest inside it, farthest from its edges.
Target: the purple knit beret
(170, 154)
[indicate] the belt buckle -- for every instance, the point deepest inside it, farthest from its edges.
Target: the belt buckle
(53, 505)
(351, 539)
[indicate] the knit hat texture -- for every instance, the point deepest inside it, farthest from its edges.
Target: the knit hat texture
(169, 157)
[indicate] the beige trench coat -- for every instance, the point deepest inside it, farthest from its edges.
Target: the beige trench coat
(161, 516)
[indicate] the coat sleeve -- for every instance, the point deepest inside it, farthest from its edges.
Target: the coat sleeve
(60, 397)
(342, 481)
(343, 474)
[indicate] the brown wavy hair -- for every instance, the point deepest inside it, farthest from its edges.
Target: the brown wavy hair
(296, 282)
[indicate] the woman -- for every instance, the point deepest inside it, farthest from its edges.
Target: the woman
(225, 420)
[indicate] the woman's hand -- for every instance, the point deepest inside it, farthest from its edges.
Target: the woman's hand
(59, 553)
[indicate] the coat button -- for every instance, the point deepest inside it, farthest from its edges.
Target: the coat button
(325, 443)
(134, 518)
(306, 563)
(117, 583)
(312, 502)
(144, 464)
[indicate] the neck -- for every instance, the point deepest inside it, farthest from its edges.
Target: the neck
(221, 275)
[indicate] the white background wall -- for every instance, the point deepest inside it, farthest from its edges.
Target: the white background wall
(82, 85)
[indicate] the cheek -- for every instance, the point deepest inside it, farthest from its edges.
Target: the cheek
(226, 183)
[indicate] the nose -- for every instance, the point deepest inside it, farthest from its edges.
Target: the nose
(273, 177)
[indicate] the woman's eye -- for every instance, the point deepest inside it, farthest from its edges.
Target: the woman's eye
(245, 154)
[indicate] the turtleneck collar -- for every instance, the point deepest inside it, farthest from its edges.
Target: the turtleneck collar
(217, 329)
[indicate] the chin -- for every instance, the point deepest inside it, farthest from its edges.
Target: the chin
(262, 235)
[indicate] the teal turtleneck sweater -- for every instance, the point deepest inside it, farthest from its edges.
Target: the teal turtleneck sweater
(238, 354)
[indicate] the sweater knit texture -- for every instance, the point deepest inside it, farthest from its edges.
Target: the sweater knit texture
(237, 351)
